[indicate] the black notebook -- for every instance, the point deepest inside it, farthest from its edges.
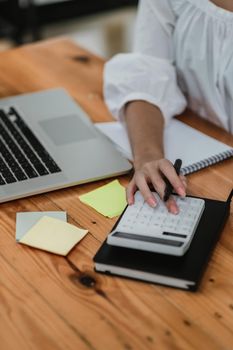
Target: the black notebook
(183, 272)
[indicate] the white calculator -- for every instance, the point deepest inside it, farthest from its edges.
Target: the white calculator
(155, 229)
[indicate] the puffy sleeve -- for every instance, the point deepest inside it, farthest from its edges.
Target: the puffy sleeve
(148, 73)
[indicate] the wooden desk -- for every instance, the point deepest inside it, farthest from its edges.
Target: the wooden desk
(51, 302)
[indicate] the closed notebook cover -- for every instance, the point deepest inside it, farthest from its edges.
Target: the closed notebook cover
(190, 266)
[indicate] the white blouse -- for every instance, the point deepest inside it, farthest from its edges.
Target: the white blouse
(183, 56)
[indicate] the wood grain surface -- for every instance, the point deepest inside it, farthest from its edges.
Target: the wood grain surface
(51, 302)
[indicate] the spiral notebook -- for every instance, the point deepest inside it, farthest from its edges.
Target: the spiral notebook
(196, 149)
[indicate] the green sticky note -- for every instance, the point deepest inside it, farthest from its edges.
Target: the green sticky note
(109, 200)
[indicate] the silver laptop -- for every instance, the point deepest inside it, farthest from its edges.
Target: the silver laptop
(48, 142)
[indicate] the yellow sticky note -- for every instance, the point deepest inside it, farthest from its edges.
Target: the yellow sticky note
(53, 235)
(109, 200)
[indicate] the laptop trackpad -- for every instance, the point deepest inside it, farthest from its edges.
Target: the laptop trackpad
(65, 130)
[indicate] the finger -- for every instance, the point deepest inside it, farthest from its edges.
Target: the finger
(172, 205)
(145, 191)
(184, 180)
(185, 184)
(130, 190)
(159, 185)
(170, 173)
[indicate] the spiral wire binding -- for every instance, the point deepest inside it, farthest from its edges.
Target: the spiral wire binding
(206, 162)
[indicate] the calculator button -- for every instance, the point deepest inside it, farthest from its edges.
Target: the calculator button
(141, 220)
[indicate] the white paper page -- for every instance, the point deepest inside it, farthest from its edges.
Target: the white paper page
(118, 135)
(180, 141)
(191, 145)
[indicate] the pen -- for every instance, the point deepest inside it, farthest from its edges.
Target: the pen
(169, 188)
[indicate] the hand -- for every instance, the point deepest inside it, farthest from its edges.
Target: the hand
(152, 172)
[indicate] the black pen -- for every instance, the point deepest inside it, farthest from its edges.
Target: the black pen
(169, 188)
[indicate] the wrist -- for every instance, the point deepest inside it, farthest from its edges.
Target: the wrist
(146, 157)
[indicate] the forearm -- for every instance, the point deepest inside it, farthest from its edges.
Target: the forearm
(145, 125)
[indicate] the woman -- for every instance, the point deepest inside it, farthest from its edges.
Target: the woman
(183, 56)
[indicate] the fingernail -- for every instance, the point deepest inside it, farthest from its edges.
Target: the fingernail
(174, 209)
(181, 191)
(151, 201)
(130, 201)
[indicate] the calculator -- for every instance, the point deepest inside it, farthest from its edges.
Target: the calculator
(155, 229)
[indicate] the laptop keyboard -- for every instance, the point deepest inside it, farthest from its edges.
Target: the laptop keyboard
(22, 156)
